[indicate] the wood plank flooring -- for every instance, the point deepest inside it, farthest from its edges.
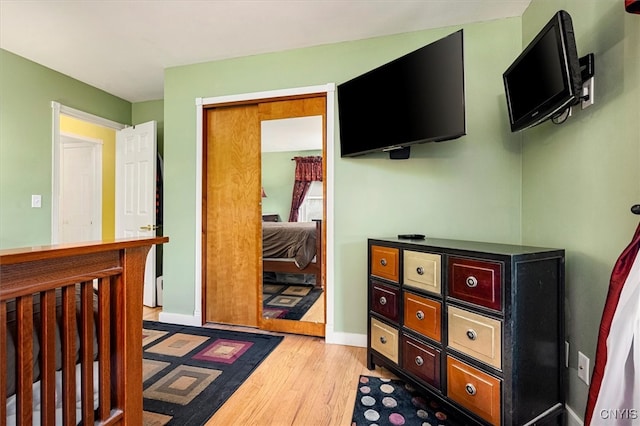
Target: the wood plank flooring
(302, 382)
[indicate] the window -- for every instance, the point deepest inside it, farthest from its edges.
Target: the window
(311, 207)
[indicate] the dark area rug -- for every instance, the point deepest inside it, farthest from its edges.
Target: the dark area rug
(286, 301)
(189, 372)
(385, 402)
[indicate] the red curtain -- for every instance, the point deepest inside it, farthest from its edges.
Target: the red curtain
(308, 169)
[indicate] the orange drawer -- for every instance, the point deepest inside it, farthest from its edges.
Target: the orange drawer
(384, 339)
(384, 300)
(422, 360)
(422, 315)
(473, 389)
(476, 282)
(385, 262)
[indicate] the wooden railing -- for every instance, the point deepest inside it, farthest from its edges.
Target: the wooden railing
(45, 289)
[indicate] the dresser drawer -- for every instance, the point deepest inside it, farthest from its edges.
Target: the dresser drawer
(421, 360)
(475, 335)
(476, 281)
(422, 315)
(384, 339)
(384, 300)
(385, 262)
(474, 389)
(422, 270)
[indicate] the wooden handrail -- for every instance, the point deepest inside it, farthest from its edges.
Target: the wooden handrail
(42, 272)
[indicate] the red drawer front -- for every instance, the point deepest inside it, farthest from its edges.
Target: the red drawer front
(384, 300)
(421, 360)
(476, 282)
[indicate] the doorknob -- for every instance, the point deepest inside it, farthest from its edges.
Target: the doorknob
(149, 227)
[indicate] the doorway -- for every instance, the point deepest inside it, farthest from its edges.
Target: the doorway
(207, 124)
(71, 125)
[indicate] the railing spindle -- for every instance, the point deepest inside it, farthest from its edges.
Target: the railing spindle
(48, 357)
(86, 350)
(3, 371)
(24, 361)
(68, 335)
(104, 349)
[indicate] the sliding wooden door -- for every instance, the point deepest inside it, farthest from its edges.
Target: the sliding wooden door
(232, 215)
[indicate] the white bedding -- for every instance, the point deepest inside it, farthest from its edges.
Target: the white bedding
(11, 401)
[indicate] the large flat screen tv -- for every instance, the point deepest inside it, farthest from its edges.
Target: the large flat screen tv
(545, 79)
(416, 98)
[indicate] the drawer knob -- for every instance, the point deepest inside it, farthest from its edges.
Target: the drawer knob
(420, 315)
(419, 361)
(420, 270)
(383, 261)
(472, 281)
(383, 300)
(383, 340)
(471, 390)
(471, 334)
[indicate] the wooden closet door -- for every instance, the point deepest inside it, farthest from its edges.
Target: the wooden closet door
(233, 226)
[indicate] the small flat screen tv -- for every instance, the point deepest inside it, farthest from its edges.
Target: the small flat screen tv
(545, 79)
(416, 98)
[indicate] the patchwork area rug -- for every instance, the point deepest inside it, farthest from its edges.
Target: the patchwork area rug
(385, 402)
(189, 372)
(287, 301)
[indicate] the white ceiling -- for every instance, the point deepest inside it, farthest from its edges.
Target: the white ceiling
(123, 46)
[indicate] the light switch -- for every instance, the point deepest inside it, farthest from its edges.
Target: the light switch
(36, 201)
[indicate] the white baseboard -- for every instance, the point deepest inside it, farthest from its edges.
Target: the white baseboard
(180, 319)
(572, 418)
(347, 339)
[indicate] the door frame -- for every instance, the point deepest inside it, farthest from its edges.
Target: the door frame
(56, 110)
(329, 91)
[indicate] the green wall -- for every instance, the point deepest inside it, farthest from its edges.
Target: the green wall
(278, 173)
(469, 188)
(26, 92)
(141, 112)
(581, 178)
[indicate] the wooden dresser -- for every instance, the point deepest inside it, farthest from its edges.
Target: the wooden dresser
(478, 326)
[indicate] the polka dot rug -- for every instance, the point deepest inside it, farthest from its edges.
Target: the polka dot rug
(387, 402)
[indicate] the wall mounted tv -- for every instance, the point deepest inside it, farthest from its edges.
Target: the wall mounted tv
(546, 78)
(416, 98)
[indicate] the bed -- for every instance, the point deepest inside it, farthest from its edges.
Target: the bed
(293, 247)
(71, 333)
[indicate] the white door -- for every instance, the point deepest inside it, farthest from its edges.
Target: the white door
(80, 217)
(136, 158)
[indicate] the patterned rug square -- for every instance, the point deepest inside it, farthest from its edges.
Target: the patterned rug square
(286, 301)
(189, 372)
(389, 402)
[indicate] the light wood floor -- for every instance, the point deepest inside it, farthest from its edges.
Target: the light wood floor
(302, 382)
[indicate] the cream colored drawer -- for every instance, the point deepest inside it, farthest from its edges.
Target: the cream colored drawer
(384, 339)
(475, 335)
(474, 389)
(422, 270)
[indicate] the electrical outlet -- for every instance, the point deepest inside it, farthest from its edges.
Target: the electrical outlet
(566, 354)
(588, 92)
(583, 367)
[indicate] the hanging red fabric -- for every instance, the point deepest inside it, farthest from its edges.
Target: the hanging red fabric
(632, 6)
(308, 169)
(619, 276)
